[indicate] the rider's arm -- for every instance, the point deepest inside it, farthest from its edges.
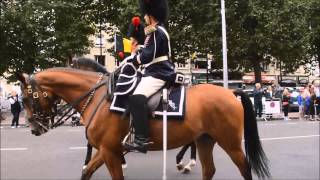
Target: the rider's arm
(147, 54)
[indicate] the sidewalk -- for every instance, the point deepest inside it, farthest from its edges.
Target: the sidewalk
(8, 119)
(22, 120)
(280, 116)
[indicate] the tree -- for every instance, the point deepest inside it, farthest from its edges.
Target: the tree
(40, 34)
(257, 31)
(314, 27)
(268, 30)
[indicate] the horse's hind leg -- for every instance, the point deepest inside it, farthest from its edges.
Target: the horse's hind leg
(205, 146)
(88, 155)
(234, 150)
(93, 165)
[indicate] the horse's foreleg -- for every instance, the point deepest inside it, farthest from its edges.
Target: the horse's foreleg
(92, 166)
(205, 146)
(112, 159)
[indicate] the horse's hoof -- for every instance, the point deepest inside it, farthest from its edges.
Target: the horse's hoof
(192, 162)
(180, 166)
(84, 173)
(124, 166)
(186, 170)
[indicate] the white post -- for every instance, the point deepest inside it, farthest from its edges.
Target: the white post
(224, 46)
(165, 105)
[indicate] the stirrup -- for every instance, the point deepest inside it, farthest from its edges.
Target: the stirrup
(137, 147)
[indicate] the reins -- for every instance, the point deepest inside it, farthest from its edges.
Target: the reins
(71, 105)
(32, 89)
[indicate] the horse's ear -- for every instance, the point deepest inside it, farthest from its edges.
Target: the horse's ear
(22, 77)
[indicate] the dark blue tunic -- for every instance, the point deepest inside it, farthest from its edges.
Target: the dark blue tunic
(156, 45)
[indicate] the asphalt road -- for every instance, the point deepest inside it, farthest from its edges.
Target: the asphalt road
(292, 148)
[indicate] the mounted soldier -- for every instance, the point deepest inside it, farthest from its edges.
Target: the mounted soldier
(155, 56)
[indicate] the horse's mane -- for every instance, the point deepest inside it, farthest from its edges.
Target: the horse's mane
(90, 63)
(67, 69)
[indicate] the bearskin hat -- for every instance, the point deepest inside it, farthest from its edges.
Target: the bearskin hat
(136, 30)
(157, 8)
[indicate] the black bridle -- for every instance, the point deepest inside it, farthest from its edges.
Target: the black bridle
(42, 116)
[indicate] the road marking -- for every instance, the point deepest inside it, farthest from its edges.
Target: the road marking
(289, 137)
(271, 124)
(13, 149)
(313, 122)
(291, 123)
(75, 130)
(77, 148)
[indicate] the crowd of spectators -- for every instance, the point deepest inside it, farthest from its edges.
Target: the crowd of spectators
(308, 99)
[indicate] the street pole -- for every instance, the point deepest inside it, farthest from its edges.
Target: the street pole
(100, 29)
(164, 132)
(207, 69)
(224, 46)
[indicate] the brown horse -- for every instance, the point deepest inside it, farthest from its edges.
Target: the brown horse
(213, 115)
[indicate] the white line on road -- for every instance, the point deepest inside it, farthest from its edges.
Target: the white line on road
(75, 130)
(292, 123)
(77, 148)
(13, 149)
(289, 137)
(313, 122)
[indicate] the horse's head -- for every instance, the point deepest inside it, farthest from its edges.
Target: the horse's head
(39, 104)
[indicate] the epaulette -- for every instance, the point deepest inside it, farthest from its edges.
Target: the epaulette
(149, 29)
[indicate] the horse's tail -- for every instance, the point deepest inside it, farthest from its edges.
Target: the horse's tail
(254, 152)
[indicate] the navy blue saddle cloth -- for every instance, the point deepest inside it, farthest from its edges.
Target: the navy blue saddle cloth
(128, 80)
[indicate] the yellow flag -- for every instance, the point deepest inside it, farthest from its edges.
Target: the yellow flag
(126, 45)
(193, 56)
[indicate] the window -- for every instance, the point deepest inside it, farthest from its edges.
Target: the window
(265, 67)
(99, 40)
(100, 59)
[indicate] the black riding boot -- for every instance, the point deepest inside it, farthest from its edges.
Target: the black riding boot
(139, 111)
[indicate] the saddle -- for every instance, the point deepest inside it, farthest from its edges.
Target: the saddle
(128, 79)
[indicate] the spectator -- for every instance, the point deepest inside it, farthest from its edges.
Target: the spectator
(275, 87)
(15, 109)
(301, 103)
(269, 93)
(257, 96)
(317, 92)
(313, 99)
(306, 97)
(285, 103)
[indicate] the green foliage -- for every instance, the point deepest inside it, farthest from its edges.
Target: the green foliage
(258, 32)
(40, 34)
(36, 34)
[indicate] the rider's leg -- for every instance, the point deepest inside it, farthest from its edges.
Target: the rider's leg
(139, 110)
